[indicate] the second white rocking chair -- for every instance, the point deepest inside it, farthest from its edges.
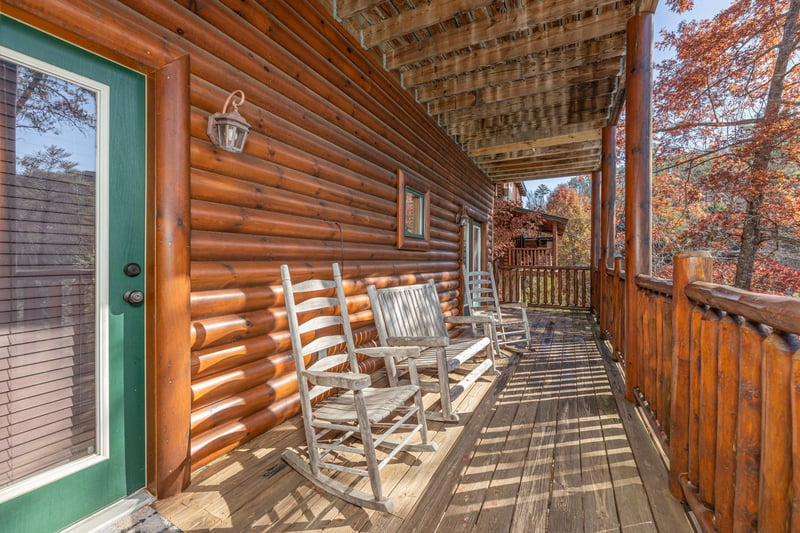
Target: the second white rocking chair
(509, 320)
(358, 419)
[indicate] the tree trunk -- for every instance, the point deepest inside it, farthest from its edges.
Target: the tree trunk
(751, 228)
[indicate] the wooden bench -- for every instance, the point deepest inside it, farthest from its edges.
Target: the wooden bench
(411, 316)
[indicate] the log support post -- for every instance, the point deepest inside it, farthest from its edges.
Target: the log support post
(607, 218)
(638, 168)
(597, 269)
(688, 267)
(169, 374)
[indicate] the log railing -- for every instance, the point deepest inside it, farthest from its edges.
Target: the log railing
(565, 287)
(735, 442)
(654, 342)
(718, 376)
(529, 256)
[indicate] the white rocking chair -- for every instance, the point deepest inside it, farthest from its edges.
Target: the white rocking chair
(509, 320)
(353, 418)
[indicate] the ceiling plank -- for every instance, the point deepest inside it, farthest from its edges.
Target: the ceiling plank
(578, 136)
(516, 164)
(553, 99)
(570, 170)
(605, 24)
(486, 30)
(532, 66)
(547, 150)
(423, 16)
(535, 135)
(343, 9)
(552, 124)
(578, 162)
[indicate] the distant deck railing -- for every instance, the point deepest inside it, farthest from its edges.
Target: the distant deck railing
(529, 256)
(717, 372)
(566, 287)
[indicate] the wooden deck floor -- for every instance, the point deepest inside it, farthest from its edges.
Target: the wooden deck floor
(544, 447)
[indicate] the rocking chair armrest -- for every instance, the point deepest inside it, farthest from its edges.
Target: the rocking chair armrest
(514, 305)
(398, 353)
(472, 319)
(345, 380)
(418, 341)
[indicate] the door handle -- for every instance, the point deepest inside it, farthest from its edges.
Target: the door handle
(133, 297)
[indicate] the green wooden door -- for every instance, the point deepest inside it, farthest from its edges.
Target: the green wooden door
(72, 204)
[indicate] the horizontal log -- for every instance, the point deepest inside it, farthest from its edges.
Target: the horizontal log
(221, 439)
(213, 217)
(213, 388)
(261, 172)
(219, 275)
(779, 312)
(210, 246)
(213, 187)
(660, 286)
(218, 358)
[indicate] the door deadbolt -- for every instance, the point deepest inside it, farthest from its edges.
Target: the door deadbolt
(133, 297)
(132, 270)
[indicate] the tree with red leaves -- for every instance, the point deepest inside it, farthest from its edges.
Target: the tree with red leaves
(728, 104)
(510, 223)
(565, 201)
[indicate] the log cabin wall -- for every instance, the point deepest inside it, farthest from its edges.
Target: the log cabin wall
(315, 184)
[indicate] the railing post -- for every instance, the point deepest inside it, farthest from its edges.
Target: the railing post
(596, 238)
(607, 212)
(688, 267)
(617, 310)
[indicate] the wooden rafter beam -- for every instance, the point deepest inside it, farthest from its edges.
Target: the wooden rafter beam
(533, 152)
(569, 34)
(578, 136)
(517, 164)
(552, 115)
(523, 139)
(549, 124)
(517, 105)
(545, 174)
(495, 91)
(525, 88)
(514, 20)
(519, 68)
(550, 165)
(423, 16)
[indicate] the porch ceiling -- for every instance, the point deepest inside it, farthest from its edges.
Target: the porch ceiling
(524, 87)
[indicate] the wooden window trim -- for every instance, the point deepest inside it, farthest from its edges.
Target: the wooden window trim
(405, 241)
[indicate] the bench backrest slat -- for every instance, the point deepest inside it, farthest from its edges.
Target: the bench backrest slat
(407, 311)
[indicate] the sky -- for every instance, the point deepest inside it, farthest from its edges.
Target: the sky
(664, 19)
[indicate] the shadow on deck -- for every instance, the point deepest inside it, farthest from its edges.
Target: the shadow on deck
(549, 445)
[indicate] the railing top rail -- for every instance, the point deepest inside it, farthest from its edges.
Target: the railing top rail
(779, 312)
(542, 267)
(661, 286)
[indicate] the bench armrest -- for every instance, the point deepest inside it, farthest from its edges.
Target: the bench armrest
(345, 380)
(473, 319)
(395, 352)
(418, 341)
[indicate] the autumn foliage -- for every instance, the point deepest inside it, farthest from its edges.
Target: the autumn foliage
(573, 247)
(727, 153)
(510, 222)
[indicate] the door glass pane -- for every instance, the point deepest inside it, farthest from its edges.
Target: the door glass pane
(476, 246)
(48, 153)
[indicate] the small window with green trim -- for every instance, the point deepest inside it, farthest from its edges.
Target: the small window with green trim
(413, 213)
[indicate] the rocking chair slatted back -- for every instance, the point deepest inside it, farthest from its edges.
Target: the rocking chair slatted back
(411, 311)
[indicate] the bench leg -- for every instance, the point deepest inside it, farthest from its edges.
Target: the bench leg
(444, 388)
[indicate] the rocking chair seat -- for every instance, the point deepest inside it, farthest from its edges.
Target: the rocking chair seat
(380, 404)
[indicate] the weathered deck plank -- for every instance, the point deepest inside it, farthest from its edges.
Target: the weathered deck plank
(543, 447)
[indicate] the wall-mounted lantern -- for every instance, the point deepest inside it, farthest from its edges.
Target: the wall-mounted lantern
(228, 130)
